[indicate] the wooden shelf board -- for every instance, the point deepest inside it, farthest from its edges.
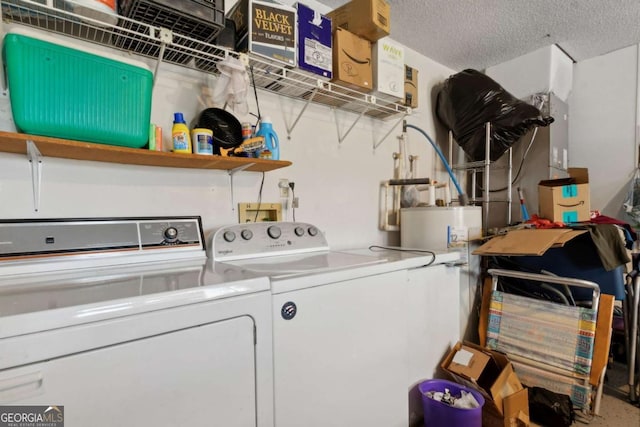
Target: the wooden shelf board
(67, 149)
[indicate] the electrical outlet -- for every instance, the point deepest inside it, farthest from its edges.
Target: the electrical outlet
(283, 185)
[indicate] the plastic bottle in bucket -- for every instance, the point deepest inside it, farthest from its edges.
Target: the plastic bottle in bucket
(439, 414)
(271, 141)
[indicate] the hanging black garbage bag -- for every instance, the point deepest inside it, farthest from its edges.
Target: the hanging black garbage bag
(470, 99)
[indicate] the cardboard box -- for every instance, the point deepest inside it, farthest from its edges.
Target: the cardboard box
(410, 87)
(567, 199)
(239, 14)
(491, 373)
(265, 28)
(314, 42)
(352, 61)
(527, 241)
(388, 69)
(370, 19)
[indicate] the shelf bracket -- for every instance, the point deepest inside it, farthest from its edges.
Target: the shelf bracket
(166, 36)
(232, 172)
(377, 144)
(35, 162)
(295, 122)
(342, 138)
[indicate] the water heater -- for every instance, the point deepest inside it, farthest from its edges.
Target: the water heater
(440, 228)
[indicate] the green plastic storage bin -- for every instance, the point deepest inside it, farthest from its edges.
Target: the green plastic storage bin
(70, 92)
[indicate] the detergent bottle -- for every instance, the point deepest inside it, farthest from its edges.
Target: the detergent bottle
(271, 142)
(180, 135)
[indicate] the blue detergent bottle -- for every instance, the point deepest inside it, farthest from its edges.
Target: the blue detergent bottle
(271, 141)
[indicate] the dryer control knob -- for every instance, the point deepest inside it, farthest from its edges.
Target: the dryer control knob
(274, 232)
(299, 231)
(229, 236)
(246, 234)
(313, 231)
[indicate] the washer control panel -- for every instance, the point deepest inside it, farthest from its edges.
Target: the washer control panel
(252, 240)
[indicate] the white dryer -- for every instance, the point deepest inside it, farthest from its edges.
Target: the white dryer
(122, 322)
(340, 324)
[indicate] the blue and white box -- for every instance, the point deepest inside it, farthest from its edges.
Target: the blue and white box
(314, 42)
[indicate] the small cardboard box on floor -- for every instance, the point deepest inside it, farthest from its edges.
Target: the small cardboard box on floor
(566, 199)
(491, 373)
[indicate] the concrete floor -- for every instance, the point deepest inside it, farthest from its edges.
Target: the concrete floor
(615, 409)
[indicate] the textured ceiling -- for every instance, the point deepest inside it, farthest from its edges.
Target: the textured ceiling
(480, 33)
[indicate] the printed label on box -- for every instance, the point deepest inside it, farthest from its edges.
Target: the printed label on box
(273, 32)
(458, 240)
(317, 54)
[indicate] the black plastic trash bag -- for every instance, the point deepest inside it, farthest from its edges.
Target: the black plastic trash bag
(548, 408)
(470, 99)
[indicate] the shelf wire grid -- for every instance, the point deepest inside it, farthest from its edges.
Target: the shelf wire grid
(147, 40)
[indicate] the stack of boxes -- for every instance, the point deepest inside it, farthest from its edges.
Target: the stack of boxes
(366, 58)
(356, 25)
(349, 46)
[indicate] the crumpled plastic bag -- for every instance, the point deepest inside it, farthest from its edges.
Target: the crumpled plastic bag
(465, 400)
(470, 99)
(232, 85)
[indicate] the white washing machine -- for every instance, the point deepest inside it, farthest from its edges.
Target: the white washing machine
(453, 228)
(340, 324)
(432, 310)
(123, 322)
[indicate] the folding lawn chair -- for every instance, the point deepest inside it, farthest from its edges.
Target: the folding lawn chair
(550, 344)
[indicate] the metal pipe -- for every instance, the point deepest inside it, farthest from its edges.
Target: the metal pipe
(487, 168)
(595, 300)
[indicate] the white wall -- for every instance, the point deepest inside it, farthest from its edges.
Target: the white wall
(547, 69)
(602, 125)
(602, 94)
(337, 184)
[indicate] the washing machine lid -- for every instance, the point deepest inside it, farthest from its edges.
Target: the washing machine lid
(287, 266)
(280, 249)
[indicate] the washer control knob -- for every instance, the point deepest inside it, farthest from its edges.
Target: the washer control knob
(229, 236)
(313, 231)
(299, 231)
(246, 234)
(171, 234)
(274, 232)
